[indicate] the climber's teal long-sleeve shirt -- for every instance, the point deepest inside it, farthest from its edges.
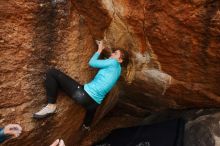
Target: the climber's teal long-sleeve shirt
(3, 137)
(105, 79)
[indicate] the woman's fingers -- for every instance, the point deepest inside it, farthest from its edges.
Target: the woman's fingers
(97, 42)
(18, 127)
(100, 43)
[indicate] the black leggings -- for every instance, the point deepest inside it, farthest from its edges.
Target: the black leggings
(56, 79)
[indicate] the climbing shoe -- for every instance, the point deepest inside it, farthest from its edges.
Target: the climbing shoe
(45, 111)
(85, 128)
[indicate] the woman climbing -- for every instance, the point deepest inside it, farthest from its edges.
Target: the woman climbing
(90, 95)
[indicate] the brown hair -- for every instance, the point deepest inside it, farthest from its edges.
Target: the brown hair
(124, 55)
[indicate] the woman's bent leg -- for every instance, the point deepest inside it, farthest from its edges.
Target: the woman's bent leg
(91, 107)
(51, 86)
(56, 79)
(89, 117)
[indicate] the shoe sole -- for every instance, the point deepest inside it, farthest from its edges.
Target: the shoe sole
(35, 116)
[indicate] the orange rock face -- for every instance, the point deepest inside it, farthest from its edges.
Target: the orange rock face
(174, 47)
(35, 36)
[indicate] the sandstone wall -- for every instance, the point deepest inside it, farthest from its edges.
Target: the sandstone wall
(174, 64)
(35, 36)
(175, 47)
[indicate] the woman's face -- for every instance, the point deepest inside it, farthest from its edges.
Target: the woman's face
(116, 55)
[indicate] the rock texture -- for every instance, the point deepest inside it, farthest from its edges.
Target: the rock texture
(201, 126)
(175, 59)
(36, 35)
(207, 135)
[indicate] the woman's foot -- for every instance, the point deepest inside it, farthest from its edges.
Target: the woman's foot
(45, 111)
(85, 128)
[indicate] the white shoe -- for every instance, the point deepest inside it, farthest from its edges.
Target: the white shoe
(45, 111)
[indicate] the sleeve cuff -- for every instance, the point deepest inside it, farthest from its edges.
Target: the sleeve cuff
(3, 137)
(2, 132)
(97, 53)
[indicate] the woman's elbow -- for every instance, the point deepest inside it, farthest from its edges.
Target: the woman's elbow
(91, 64)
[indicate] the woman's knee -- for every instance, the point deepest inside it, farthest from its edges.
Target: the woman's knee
(52, 72)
